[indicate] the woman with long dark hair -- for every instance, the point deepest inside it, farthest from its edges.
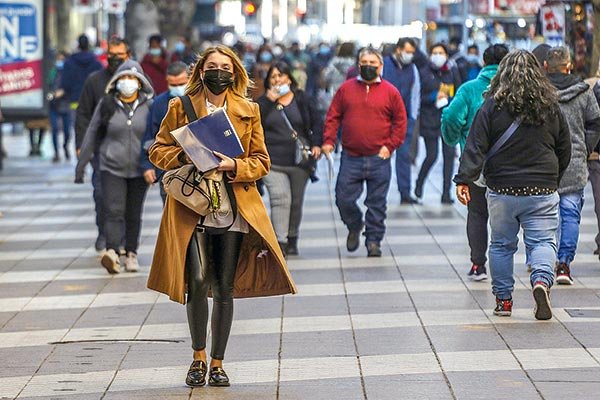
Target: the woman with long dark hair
(282, 105)
(245, 260)
(522, 174)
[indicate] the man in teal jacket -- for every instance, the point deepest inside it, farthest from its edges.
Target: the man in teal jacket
(456, 122)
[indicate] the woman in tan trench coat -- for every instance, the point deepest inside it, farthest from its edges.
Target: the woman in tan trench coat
(246, 260)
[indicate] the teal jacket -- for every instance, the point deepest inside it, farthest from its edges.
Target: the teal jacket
(458, 116)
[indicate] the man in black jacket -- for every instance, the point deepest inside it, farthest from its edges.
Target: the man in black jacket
(91, 94)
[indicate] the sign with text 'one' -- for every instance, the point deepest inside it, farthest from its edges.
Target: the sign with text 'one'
(21, 55)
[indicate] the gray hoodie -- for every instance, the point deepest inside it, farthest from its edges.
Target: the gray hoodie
(119, 147)
(581, 111)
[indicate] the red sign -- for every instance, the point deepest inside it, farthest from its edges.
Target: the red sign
(20, 77)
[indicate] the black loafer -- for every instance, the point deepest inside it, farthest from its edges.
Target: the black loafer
(218, 377)
(196, 375)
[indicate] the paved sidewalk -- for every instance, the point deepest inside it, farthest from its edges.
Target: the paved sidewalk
(406, 326)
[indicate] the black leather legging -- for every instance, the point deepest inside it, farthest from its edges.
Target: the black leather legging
(211, 263)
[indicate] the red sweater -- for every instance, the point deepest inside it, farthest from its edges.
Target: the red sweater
(371, 116)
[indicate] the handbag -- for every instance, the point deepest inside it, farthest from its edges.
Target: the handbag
(499, 143)
(203, 193)
(303, 156)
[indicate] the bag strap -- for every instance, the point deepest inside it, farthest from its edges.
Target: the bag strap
(188, 108)
(287, 121)
(504, 138)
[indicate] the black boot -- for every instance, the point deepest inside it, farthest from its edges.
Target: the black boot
(292, 246)
(283, 246)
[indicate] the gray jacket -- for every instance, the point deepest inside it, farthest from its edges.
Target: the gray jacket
(581, 111)
(119, 145)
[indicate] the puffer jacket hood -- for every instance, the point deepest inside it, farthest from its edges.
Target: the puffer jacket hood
(131, 67)
(488, 73)
(568, 86)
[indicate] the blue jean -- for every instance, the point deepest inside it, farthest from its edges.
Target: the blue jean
(538, 216)
(570, 217)
(403, 162)
(353, 174)
(55, 116)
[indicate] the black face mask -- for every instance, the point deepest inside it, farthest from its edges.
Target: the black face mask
(368, 72)
(114, 63)
(217, 80)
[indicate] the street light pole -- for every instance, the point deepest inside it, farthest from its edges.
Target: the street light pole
(465, 30)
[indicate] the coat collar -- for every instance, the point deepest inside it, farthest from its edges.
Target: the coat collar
(237, 106)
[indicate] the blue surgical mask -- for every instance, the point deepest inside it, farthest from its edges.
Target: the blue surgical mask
(60, 64)
(284, 89)
(179, 47)
(177, 91)
(472, 58)
(155, 52)
(324, 50)
(266, 57)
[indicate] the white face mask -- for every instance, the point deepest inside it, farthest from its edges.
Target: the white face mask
(406, 58)
(127, 86)
(438, 60)
(177, 91)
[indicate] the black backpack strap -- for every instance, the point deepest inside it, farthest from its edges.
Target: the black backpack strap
(189, 108)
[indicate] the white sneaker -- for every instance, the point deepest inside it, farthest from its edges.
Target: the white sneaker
(110, 261)
(131, 262)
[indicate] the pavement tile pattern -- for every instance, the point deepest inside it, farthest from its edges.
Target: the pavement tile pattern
(408, 325)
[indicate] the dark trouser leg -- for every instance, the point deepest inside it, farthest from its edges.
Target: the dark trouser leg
(298, 180)
(378, 183)
(348, 189)
(431, 147)
(196, 264)
(225, 251)
(66, 125)
(594, 168)
(98, 201)
(449, 153)
(32, 142)
(136, 193)
(115, 200)
(403, 162)
(54, 126)
(477, 219)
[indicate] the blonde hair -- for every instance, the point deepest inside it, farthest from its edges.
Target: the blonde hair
(241, 80)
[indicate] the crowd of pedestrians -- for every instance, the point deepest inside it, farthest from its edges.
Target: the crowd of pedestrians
(527, 132)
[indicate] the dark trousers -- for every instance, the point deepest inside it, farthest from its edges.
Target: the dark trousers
(477, 222)
(36, 136)
(211, 263)
(65, 117)
(448, 152)
(123, 205)
(353, 174)
(403, 162)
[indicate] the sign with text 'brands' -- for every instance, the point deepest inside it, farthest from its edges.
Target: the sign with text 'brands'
(21, 55)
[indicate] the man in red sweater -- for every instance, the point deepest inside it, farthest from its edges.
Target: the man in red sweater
(373, 120)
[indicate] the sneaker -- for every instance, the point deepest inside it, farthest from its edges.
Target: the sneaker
(100, 244)
(478, 273)
(122, 251)
(503, 307)
(110, 261)
(131, 262)
(353, 239)
(373, 249)
(407, 199)
(563, 274)
(541, 295)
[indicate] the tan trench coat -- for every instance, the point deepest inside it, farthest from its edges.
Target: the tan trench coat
(261, 269)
